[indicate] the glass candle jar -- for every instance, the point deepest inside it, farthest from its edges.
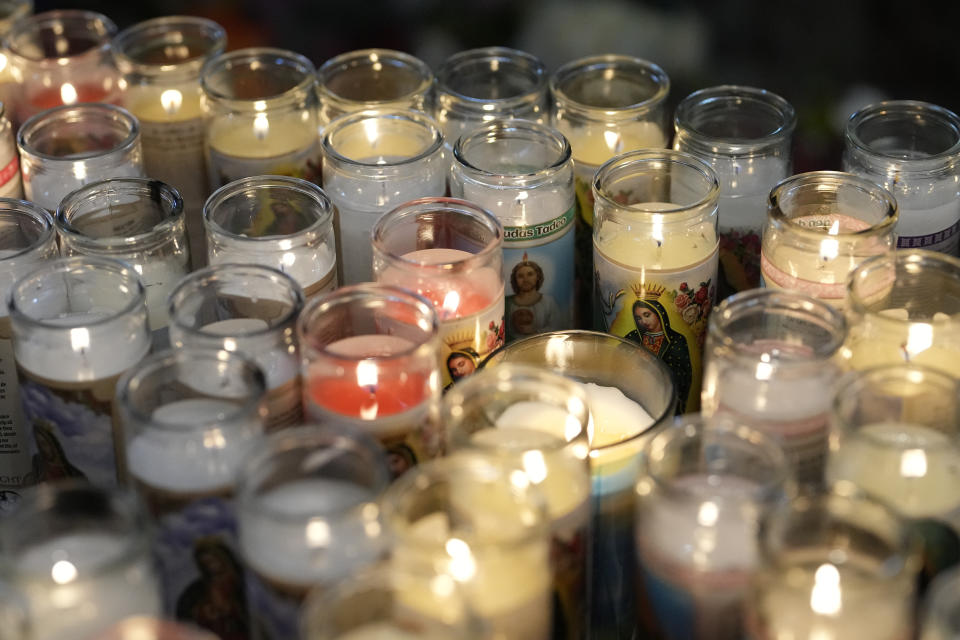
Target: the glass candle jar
(450, 252)
(939, 614)
(78, 324)
(745, 135)
(11, 11)
(904, 307)
(308, 517)
(655, 250)
(367, 79)
(137, 220)
(160, 60)
(521, 172)
(64, 148)
(262, 116)
(61, 58)
(479, 85)
(80, 557)
(189, 418)
(248, 308)
(370, 362)
(276, 221)
(27, 239)
(537, 421)
(625, 410)
(912, 149)
(146, 628)
(820, 226)
(372, 163)
(704, 490)
(771, 365)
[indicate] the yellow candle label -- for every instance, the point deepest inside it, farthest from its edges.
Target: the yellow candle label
(467, 341)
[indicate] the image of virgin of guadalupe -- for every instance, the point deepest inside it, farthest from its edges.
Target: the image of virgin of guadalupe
(655, 334)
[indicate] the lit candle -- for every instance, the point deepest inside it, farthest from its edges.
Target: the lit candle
(10, 14)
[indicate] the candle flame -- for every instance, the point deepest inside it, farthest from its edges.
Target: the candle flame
(171, 99)
(614, 141)
(913, 463)
(68, 94)
(535, 466)
(63, 571)
(372, 131)
(825, 597)
(318, 533)
(261, 126)
(919, 339)
(708, 514)
(79, 338)
(367, 373)
(451, 302)
(462, 565)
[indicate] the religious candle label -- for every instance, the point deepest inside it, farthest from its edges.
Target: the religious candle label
(10, 183)
(739, 260)
(15, 460)
(944, 241)
(274, 608)
(304, 164)
(469, 340)
(174, 150)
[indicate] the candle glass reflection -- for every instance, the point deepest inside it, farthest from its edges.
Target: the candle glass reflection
(11, 12)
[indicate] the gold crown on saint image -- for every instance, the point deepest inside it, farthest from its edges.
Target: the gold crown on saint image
(647, 291)
(460, 340)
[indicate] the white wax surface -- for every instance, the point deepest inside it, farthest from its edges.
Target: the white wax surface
(595, 145)
(615, 416)
(305, 264)
(516, 207)
(147, 102)
(282, 135)
(677, 248)
(49, 187)
(278, 365)
(775, 399)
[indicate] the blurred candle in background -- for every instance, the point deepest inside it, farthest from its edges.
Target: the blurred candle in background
(11, 11)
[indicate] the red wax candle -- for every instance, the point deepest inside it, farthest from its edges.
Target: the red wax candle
(453, 296)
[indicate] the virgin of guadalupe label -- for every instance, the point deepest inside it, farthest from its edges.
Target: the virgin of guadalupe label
(304, 164)
(467, 341)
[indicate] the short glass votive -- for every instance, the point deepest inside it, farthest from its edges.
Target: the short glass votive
(11, 12)
(625, 411)
(939, 619)
(251, 309)
(308, 517)
(374, 161)
(78, 324)
(367, 79)
(705, 487)
(820, 226)
(64, 148)
(450, 252)
(771, 365)
(904, 308)
(277, 221)
(538, 421)
(80, 558)
(370, 362)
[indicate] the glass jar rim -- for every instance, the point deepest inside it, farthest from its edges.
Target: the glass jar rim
(355, 58)
(505, 129)
(903, 109)
(337, 125)
(158, 30)
(913, 258)
(601, 64)
(36, 213)
(224, 62)
(40, 21)
(74, 113)
(520, 60)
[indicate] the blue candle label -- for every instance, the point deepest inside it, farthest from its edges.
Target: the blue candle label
(467, 341)
(944, 241)
(304, 164)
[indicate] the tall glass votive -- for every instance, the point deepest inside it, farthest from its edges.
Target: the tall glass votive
(27, 239)
(904, 307)
(370, 362)
(939, 619)
(160, 60)
(64, 148)
(277, 221)
(366, 79)
(262, 116)
(820, 226)
(78, 324)
(80, 557)
(251, 309)
(11, 12)
(745, 135)
(137, 220)
(625, 410)
(771, 365)
(479, 85)
(704, 490)
(450, 252)
(538, 421)
(373, 162)
(912, 149)
(482, 526)
(833, 566)
(655, 249)
(308, 517)
(62, 57)
(189, 418)
(521, 172)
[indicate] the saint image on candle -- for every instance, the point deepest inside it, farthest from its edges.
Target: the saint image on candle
(215, 600)
(461, 363)
(528, 310)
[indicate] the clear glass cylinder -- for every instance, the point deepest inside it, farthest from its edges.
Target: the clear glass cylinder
(912, 149)
(262, 116)
(308, 517)
(521, 172)
(11, 11)
(62, 57)
(250, 309)
(450, 252)
(370, 362)
(476, 523)
(136, 220)
(655, 249)
(78, 324)
(277, 221)
(939, 619)
(745, 135)
(771, 364)
(479, 85)
(538, 421)
(367, 79)
(80, 557)
(189, 418)
(820, 226)
(160, 60)
(833, 566)
(374, 162)
(64, 148)
(904, 307)
(624, 410)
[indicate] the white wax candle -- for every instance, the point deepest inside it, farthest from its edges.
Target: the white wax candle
(890, 337)
(670, 249)
(592, 146)
(615, 419)
(312, 267)
(267, 144)
(48, 187)
(278, 366)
